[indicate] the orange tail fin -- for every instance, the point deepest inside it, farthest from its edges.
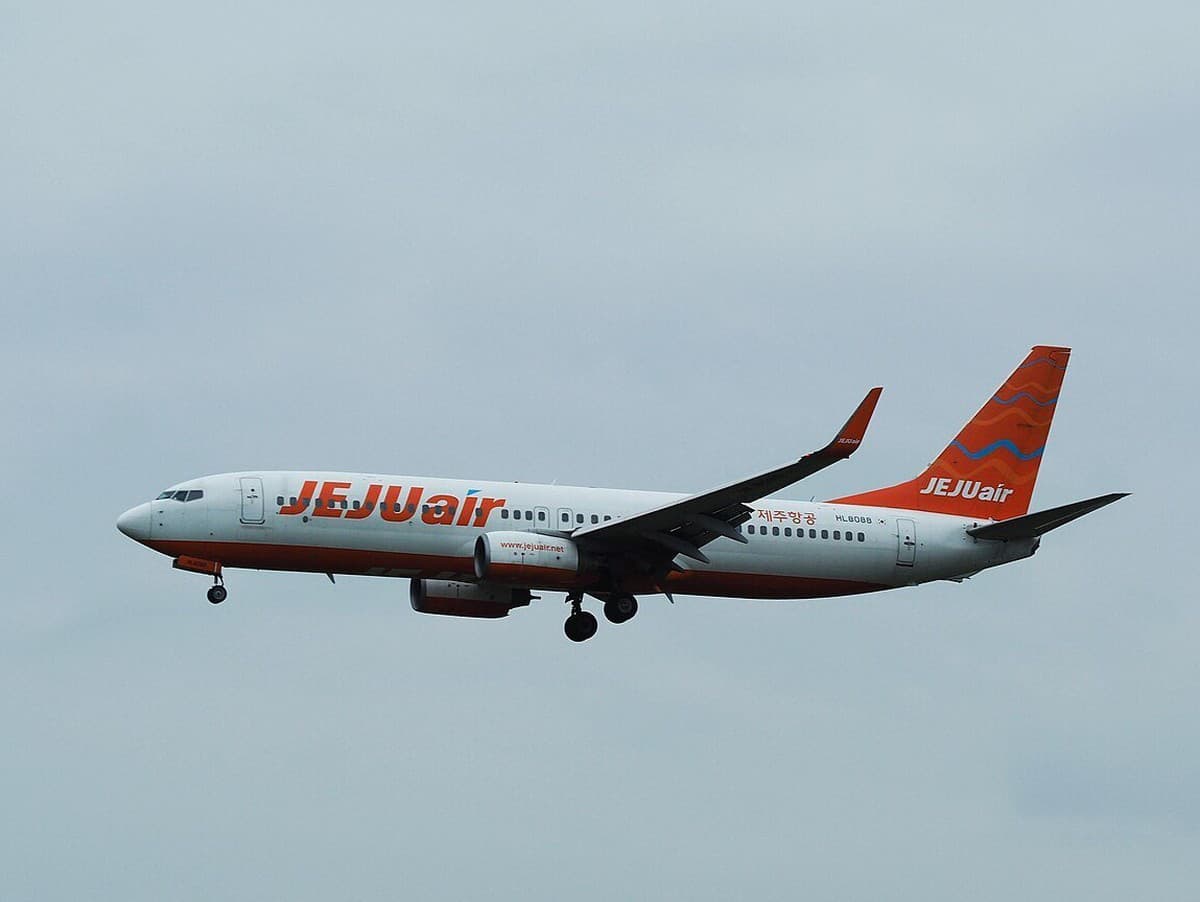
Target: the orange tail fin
(989, 470)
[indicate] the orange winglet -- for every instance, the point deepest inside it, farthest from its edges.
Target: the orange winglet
(852, 433)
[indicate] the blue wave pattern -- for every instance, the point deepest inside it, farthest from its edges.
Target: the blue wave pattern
(1025, 394)
(1057, 366)
(996, 445)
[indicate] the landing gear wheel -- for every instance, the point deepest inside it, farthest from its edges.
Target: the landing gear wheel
(620, 608)
(580, 626)
(217, 594)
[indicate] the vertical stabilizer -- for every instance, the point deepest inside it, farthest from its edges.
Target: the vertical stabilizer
(989, 470)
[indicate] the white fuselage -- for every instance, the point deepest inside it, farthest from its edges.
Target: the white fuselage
(405, 526)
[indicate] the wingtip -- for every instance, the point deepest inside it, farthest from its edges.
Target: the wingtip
(851, 435)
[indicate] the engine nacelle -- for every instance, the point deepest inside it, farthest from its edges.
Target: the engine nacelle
(530, 559)
(440, 596)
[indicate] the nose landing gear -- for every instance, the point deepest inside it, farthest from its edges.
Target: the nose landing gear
(218, 593)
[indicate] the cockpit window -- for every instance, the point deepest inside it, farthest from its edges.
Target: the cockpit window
(181, 495)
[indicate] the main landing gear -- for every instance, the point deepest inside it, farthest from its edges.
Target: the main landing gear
(581, 625)
(620, 608)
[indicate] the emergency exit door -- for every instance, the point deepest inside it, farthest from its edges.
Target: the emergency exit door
(906, 538)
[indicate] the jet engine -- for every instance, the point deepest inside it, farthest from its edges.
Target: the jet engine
(530, 559)
(440, 596)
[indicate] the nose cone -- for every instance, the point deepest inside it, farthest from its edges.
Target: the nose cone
(135, 522)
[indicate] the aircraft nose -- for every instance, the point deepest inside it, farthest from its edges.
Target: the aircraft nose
(135, 522)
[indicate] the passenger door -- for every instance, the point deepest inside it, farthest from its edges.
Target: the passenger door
(252, 500)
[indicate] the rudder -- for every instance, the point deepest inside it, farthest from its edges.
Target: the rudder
(989, 469)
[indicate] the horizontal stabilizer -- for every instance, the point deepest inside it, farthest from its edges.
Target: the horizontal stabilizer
(1032, 525)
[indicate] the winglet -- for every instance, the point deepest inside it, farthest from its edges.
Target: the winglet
(852, 433)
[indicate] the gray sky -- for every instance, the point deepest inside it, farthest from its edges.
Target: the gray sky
(612, 244)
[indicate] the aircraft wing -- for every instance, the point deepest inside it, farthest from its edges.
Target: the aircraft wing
(682, 527)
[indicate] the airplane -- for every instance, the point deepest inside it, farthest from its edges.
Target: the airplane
(475, 548)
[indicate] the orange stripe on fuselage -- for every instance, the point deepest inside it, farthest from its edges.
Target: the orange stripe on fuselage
(315, 559)
(542, 577)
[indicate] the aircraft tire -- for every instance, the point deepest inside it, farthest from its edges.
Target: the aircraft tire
(580, 627)
(620, 608)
